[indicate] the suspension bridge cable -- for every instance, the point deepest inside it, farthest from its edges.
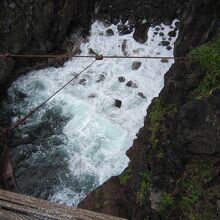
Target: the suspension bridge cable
(19, 122)
(6, 56)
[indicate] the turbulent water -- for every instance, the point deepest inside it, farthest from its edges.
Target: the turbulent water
(80, 137)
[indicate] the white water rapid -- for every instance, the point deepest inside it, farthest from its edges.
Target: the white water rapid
(96, 134)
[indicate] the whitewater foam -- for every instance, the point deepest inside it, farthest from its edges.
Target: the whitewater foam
(97, 134)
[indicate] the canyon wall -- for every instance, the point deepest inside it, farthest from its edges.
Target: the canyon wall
(175, 160)
(38, 27)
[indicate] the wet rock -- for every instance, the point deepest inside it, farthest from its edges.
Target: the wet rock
(123, 29)
(107, 24)
(131, 84)
(157, 28)
(118, 103)
(82, 82)
(155, 198)
(92, 96)
(172, 33)
(110, 32)
(124, 46)
(141, 95)
(121, 79)
(165, 43)
(155, 33)
(136, 65)
(177, 24)
(141, 33)
(198, 129)
(91, 51)
(169, 47)
(20, 95)
(101, 78)
(161, 34)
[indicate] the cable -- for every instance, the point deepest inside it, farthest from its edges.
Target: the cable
(19, 122)
(6, 56)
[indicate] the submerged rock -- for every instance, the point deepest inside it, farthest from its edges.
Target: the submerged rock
(141, 95)
(109, 32)
(82, 82)
(101, 78)
(118, 103)
(121, 79)
(91, 51)
(123, 29)
(92, 96)
(136, 65)
(172, 33)
(131, 84)
(124, 46)
(165, 43)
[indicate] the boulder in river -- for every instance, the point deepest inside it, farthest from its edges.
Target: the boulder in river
(136, 65)
(109, 32)
(121, 79)
(131, 84)
(123, 29)
(172, 33)
(124, 46)
(165, 43)
(92, 96)
(82, 82)
(141, 95)
(118, 103)
(141, 33)
(101, 78)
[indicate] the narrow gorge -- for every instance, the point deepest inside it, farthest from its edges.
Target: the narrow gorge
(133, 138)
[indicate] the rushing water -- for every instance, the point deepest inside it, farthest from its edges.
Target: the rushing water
(81, 128)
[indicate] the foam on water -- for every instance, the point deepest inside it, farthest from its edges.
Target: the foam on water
(97, 134)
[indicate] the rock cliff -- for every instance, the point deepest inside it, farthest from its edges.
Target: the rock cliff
(38, 27)
(174, 161)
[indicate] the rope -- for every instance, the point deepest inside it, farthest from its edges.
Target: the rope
(19, 122)
(6, 56)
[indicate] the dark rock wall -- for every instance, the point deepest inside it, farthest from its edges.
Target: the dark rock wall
(153, 10)
(180, 135)
(197, 26)
(174, 162)
(37, 26)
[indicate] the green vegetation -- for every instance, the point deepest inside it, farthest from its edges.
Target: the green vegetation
(208, 57)
(144, 188)
(166, 201)
(158, 112)
(124, 177)
(197, 199)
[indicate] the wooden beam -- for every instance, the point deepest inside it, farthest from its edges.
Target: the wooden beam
(15, 206)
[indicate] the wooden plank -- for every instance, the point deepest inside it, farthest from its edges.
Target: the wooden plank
(9, 215)
(41, 209)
